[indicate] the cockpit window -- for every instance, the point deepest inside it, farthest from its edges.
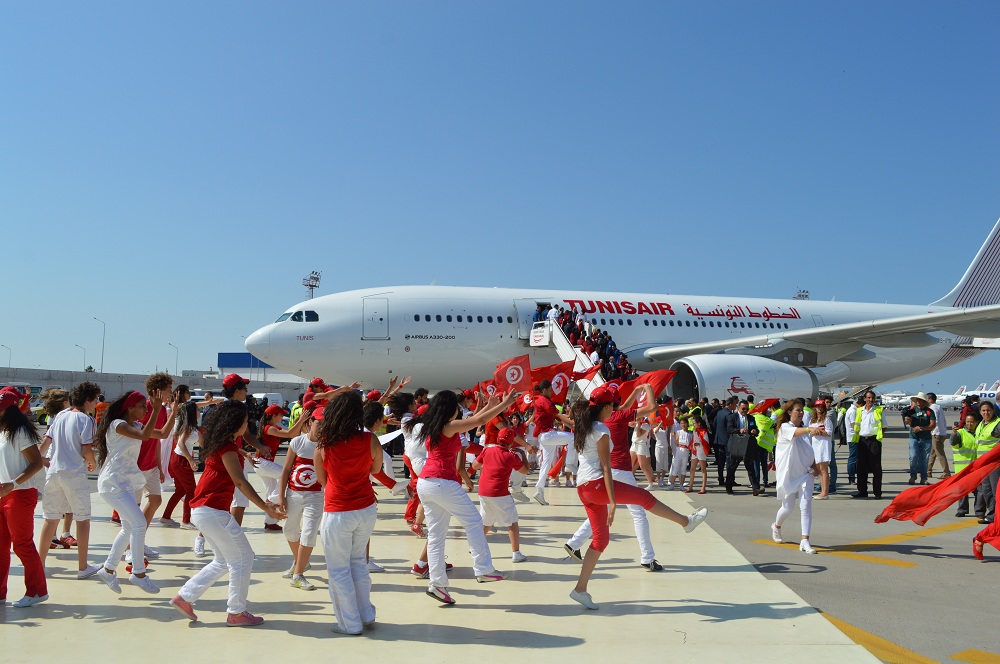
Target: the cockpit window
(297, 317)
(312, 317)
(283, 316)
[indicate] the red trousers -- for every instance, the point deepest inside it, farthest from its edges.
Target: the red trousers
(414, 502)
(184, 485)
(17, 526)
(594, 497)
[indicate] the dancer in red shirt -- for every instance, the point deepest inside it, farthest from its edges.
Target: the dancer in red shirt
(210, 512)
(496, 505)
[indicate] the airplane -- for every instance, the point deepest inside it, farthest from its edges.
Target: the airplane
(449, 337)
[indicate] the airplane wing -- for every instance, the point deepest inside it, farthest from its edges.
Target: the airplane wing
(901, 332)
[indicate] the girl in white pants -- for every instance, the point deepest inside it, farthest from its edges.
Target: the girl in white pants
(549, 440)
(346, 455)
(302, 500)
(118, 444)
(223, 475)
(795, 466)
(443, 496)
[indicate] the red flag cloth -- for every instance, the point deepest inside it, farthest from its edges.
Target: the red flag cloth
(525, 401)
(558, 375)
(588, 374)
(557, 467)
(658, 380)
(764, 405)
(514, 373)
(488, 387)
(920, 503)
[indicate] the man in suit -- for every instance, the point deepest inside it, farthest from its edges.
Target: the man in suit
(740, 423)
(720, 440)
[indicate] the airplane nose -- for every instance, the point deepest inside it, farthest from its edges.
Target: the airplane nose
(259, 343)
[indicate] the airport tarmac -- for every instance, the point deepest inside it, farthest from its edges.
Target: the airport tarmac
(904, 593)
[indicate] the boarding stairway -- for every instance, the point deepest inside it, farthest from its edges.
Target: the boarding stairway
(547, 334)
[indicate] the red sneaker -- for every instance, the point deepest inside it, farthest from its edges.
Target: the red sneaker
(184, 607)
(418, 530)
(245, 619)
(68, 540)
(128, 567)
(977, 549)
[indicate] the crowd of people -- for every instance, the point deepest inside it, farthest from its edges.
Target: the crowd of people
(341, 444)
(596, 343)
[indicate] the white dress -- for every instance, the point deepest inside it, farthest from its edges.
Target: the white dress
(793, 460)
(823, 445)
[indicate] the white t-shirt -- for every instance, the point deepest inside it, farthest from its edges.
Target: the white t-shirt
(590, 462)
(120, 471)
(793, 459)
(413, 444)
(70, 431)
(940, 425)
(662, 438)
(191, 441)
(13, 463)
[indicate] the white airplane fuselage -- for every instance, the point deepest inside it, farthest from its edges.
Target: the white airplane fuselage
(451, 337)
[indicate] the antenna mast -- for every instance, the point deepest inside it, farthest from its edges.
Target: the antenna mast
(312, 282)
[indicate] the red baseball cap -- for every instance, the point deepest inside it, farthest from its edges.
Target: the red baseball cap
(317, 412)
(506, 436)
(9, 397)
(423, 409)
(274, 410)
(233, 379)
(318, 383)
(468, 394)
(605, 394)
(374, 395)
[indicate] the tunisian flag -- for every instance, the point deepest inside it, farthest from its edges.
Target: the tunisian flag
(558, 375)
(488, 387)
(588, 374)
(920, 503)
(524, 402)
(764, 405)
(658, 380)
(514, 373)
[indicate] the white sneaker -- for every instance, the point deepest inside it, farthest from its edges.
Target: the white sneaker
(540, 499)
(199, 546)
(490, 577)
(584, 599)
(806, 547)
(694, 520)
(301, 582)
(169, 523)
(518, 557)
(650, 486)
(776, 533)
(89, 572)
(128, 557)
(150, 552)
(520, 496)
(374, 567)
(145, 583)
(111, 580)
(188, 526)
(26, 601)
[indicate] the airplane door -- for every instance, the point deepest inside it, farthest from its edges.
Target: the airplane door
(525, 313)
(376, 318)
(817, 320)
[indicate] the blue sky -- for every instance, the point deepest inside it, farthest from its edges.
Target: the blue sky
(175, 169)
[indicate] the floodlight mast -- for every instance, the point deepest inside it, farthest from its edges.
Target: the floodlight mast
(312, 282)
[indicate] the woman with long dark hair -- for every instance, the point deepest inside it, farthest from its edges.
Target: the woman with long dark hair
(118, 441)
(599, 492)
(442, 494)
(795, 467)
(345, 457)
(223, 475)
(20, 461)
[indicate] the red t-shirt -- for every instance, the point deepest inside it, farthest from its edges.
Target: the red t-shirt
(491, 433)
(545, 415)
(348, 466)
(272, 442)
(442, 459)
(215, 488)
(618, 426)
(147, 451)
(498, 462)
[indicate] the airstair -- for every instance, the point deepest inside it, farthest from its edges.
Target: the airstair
(548, 334)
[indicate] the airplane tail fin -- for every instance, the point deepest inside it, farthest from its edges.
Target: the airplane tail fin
(961, 390)
(996, 386)
(981, 283)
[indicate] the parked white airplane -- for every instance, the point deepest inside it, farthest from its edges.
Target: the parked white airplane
(983, 392)
(449, 337)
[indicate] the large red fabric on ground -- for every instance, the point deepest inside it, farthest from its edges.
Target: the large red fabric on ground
(920, 503)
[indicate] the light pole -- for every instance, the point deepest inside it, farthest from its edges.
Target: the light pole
(177, 354)
(8, 354)
(84, 355)
(104, 333)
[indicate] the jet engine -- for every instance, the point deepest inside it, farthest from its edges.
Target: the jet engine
(724, 376)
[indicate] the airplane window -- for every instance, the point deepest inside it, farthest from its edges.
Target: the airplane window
(427, 318)
(786, 326)
(312, 317)
(282, 317)
(727, 324)
(647, 322)
(612, 321)
(620, 322)
(629, 320)
(448, 317)
(438, 318)
(479, 319)
(687, 323)
(417, 318)
(711, 323)
(603, 322)
(297, 317)
(510, 319)
(499, 319)
(671, 323)
(489, 319)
